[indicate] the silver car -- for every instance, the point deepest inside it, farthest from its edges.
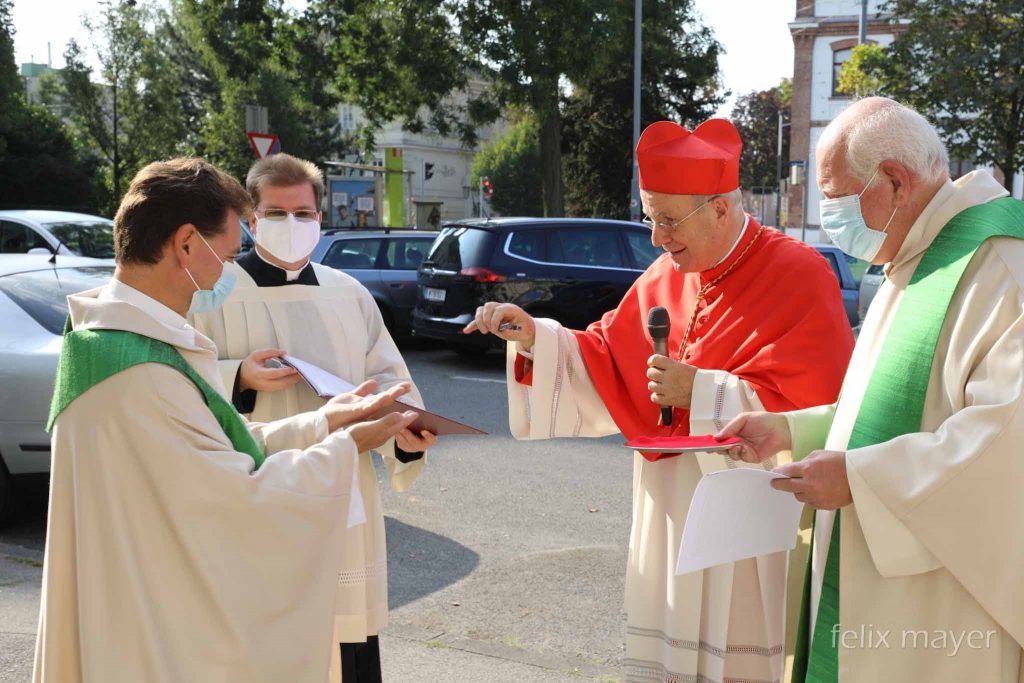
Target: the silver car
(869, 284)
(61, 232)
(33, 308)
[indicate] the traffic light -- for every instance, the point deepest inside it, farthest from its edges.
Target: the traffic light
(488, 188)
(428, 171)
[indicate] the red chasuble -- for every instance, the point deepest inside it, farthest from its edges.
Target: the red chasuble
(776, 321)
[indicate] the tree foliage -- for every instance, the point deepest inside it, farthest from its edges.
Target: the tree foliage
(756, 116)
(961, 64)
(39, 167)
(511, 163)
(679, 82)
(532, 50)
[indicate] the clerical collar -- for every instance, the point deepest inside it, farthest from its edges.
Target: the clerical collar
(739, 238)
(266, 274)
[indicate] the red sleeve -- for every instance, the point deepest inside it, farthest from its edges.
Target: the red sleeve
(523, 376)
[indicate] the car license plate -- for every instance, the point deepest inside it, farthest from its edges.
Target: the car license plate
(431, 294)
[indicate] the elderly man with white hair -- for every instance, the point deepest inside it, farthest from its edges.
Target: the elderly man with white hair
(918, 553)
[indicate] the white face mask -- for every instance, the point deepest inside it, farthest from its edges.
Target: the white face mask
(287, 238)
(842, 220)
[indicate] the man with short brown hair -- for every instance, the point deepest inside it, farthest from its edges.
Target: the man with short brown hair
(286, 303)
(184, 544)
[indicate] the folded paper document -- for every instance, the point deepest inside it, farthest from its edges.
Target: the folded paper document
(327, 385)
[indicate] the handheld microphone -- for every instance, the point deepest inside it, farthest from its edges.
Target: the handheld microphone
(658, 326)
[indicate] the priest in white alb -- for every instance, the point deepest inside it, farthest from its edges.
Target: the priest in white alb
(283, 302)
(183, 543)
(916, 473)
(757, 322)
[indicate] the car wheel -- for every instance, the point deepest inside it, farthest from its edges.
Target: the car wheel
(6, 495)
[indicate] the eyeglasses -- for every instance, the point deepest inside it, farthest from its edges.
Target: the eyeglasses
(302, 215)
(669, 226)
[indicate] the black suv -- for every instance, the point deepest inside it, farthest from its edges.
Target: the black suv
(570, 269)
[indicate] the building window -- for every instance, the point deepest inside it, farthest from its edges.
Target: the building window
(346, 117)
(839, 57)
(960, 167)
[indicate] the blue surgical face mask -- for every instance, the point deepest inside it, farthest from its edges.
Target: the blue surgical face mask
(206, 300)
(842, 220)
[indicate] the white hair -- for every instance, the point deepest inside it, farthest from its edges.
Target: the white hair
(733, 196)
(894, 131)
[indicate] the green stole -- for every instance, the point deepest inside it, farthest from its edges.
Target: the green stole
(88, 357)
(894, 401)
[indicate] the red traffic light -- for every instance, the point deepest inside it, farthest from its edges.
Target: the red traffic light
(488, 188)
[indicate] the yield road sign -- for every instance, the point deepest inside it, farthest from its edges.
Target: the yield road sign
(264, 144)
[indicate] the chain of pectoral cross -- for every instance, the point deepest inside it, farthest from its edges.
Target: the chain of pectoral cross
(704, 291)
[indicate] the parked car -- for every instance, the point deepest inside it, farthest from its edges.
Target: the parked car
(569, 269)
(61, 232)
(869, 284)
(847, 284)
(385, 262)
(33, 308)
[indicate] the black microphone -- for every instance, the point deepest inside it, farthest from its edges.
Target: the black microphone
(658, 326)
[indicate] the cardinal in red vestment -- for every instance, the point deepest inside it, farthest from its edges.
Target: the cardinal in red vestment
(757, 323)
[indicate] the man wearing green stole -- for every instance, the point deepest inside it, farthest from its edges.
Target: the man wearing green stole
(184, 544)
(916, 473)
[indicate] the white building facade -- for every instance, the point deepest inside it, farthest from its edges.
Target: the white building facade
(444, 159)
(824, 34)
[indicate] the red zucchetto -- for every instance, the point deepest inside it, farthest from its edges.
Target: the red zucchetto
(673, 160)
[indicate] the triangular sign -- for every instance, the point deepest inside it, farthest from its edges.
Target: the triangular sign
(264, 144)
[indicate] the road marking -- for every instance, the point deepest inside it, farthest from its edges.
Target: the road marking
(478, 379)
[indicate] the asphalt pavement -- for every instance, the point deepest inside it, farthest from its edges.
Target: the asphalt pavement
(506, 559)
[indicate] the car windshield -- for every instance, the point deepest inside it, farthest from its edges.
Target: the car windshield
(459, 247)
(94, 239)
(43, 293)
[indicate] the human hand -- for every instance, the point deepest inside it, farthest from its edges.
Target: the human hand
(410, 442)
(254, 374)
(763, 435)
(671, 381)
(375, 433)
(818, 480)
(346, 409)
(492, 315)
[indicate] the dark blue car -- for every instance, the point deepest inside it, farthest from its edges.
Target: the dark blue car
(570, 269)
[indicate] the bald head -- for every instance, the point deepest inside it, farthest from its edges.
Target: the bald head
(889, 155)
(875, 129)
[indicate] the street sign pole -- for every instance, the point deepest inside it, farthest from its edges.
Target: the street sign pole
(634, 203)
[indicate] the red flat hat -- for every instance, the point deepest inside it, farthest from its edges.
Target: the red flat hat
(675, 161)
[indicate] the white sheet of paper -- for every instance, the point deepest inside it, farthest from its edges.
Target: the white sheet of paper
(324, 383)
(734, 515)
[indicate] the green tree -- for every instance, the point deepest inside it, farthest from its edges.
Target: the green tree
(132, 115)
(679, 82)
(38, 164)
(756, 116)
(254, 53)
(533, 50)
(859, 75)
(511, 163)
(961, 64)
(395, 60)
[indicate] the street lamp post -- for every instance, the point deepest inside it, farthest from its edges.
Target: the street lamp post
(634, 204)
(778, 175)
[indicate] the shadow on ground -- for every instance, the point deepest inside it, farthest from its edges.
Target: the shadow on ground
(421, 562)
